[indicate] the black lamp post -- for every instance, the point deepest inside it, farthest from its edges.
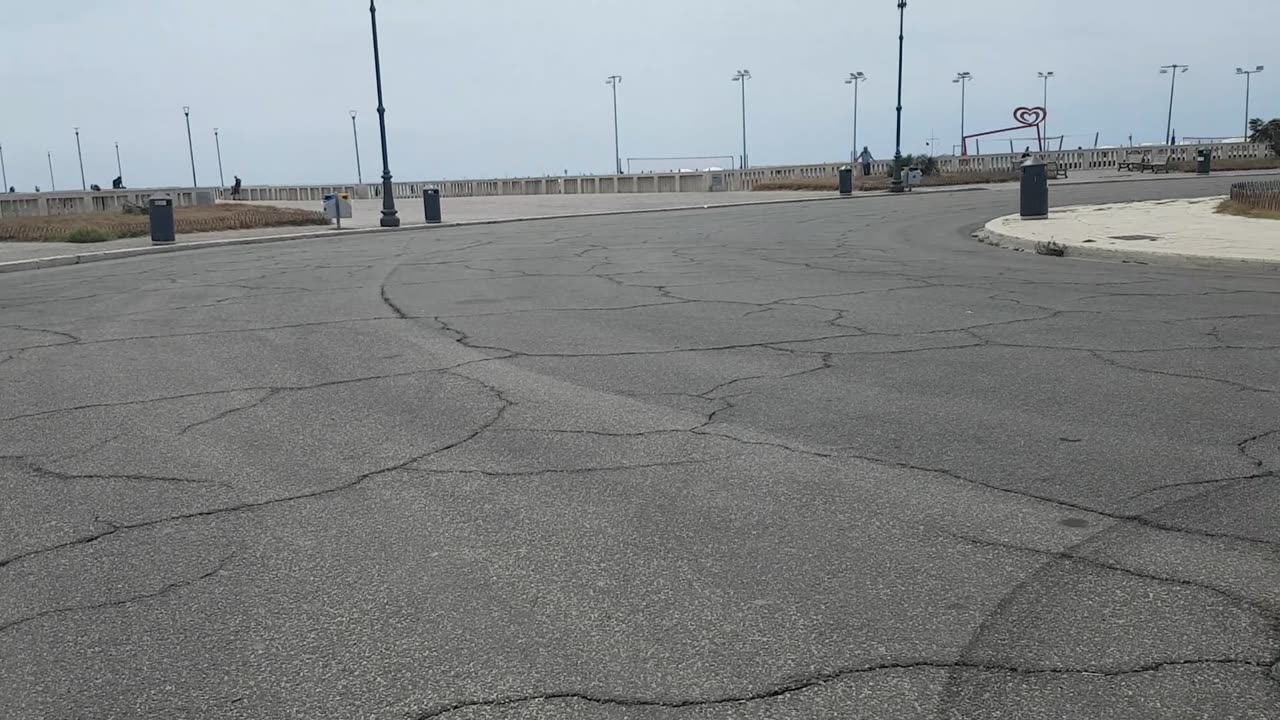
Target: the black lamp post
(191, 148)
(615, 81)
(218, 145)
(895, 185)
(742, 76)
(389, 216)
(80, 157)
(119, 167)
(355, 136)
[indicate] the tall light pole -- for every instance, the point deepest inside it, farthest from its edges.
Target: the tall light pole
(1172, 71)
(218, 147)
(4, 174)
(615, 81)
(895, 185)
(355, 137)
(742, 76)
(1045, 104)
(119, 168)
(855, 79)
(963, 79)
(191, 149)
(80, 157)
(389, 216)
(1248, 78)
(53, 186)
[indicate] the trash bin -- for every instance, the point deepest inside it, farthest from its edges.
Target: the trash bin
(431, 204)
(1035, 190)
(160, 213)
(846, 181)
(1204, 161)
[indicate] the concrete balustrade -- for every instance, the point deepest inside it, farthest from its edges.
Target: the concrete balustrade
(71, 203)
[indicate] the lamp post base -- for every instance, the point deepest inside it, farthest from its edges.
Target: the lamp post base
(389, 221)
(896, 186)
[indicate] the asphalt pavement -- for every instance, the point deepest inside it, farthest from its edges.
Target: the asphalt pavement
(816, 460)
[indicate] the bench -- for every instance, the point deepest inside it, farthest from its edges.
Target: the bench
(1055, 170)
(1160, 164)
(1131, 161)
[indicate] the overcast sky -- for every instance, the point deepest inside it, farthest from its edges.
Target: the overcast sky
(486, 88)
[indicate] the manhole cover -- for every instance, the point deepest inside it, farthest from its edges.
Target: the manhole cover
(1134, 237)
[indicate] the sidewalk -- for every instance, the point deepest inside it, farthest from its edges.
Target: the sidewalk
(1158, 232)
(16, 256)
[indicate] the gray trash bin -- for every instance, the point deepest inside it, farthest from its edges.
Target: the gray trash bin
(1204, 161)
(160, 213)
(846, 181)
(431, 204)
(1035, 190)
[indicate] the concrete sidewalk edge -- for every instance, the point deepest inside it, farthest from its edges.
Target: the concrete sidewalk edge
(991, 236)
(87, 257)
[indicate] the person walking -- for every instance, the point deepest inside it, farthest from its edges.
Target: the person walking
(866, 160)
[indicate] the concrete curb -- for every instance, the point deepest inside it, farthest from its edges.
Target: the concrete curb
(992, 236)
(88, 257)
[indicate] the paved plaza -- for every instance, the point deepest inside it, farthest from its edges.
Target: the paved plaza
(809, 460)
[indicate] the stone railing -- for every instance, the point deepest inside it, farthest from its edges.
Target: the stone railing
(705, 181)
(100, 201)
(1260, 194)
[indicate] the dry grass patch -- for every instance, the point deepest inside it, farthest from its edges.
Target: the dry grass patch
(1239, 209)
(1231, 164)
(110, 226)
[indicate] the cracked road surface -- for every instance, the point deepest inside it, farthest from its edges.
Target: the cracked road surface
(826, 460)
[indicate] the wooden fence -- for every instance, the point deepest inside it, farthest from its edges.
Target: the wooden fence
(1260, 194)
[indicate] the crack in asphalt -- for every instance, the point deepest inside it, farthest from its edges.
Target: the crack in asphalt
(162, 591)
(817, 680)
(1269, 613)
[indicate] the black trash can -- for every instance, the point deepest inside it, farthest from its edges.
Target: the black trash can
(431, 204)
(846, 181)
(1035, 190)
(160, 213)
(1204, 161)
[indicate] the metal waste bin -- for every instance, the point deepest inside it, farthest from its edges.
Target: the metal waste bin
(1035, 190)
(431, 204)
(846, 181)
(1204, 161)
(160, 213)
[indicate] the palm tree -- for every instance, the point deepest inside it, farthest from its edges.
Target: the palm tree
(1265, 132)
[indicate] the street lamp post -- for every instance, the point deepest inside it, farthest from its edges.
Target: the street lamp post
(119, 168)
(4, 174)
(1172, 71)
(1045, 123)
(191, 149)
(355, 137)
(218, 147)
(895, 185)
(963, 79)
(1248, 78)
(389, 216)
(742, 76)
(855, 79)
(615, 81)
(80, 157)
(53, 186)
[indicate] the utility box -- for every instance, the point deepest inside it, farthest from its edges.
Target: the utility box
(160, 214)
(337, 207)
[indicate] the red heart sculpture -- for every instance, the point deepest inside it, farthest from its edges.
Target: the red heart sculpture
(1030, 116)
